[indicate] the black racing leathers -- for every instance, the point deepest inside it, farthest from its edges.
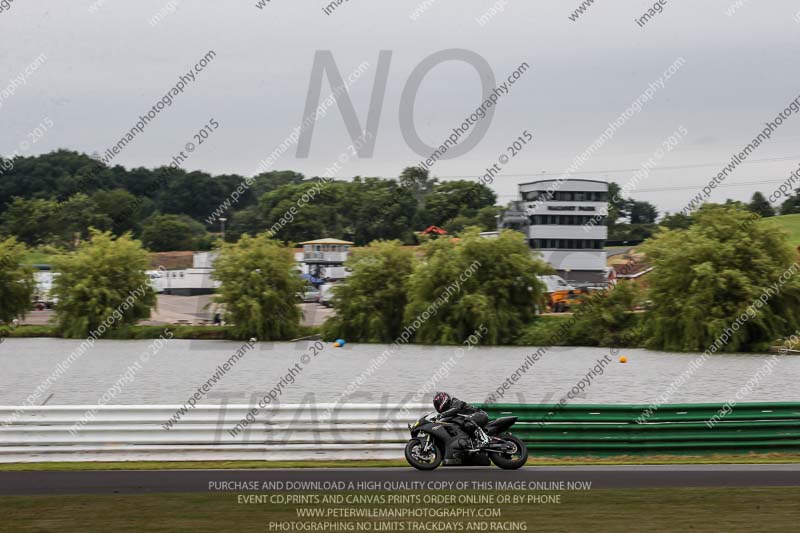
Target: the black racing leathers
(470, 417)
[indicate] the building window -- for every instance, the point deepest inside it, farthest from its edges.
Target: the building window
(565, 220)
(566, 244)
(565, 196)
(539, 196)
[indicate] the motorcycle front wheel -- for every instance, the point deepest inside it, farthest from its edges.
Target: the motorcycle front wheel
(513, 460)
(420, 459)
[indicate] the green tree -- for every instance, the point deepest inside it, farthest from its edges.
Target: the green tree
(77, 215)
(475, 281)
(370, 305)
(380, 209)
(642, 212)
(453, 198)
(247, 220)
(709, 275)
(30, 221)
(617, 204)
(259, 288)
(307, 210)
(610, 320)
(16, 280)
(56, 175)
(164, 233)
(676, 221)
(121, 207)
(759, 205)
(417, 180)
(270, 181)
(102, 285)
(631, 232)
(485, 219)
(792, 204)
(196, 194)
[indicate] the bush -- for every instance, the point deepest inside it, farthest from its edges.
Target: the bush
(717, 274)
(605, 318)
(165, 233)
(370, 305)
(16, 280)
(610, 320)
(259, 288)
(102, 286)
(473, 282)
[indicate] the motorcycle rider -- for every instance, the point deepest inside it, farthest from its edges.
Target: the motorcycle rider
(473, 418)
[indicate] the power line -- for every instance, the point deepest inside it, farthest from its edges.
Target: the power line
(688, 187)
(617, 170)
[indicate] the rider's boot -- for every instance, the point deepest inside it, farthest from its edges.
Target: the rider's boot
(481, 438)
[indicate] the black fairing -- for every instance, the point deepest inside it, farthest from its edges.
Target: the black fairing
(455, 441)
(500, 425)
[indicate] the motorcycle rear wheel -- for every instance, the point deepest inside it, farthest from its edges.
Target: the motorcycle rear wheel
(511, 461)
(414, 451)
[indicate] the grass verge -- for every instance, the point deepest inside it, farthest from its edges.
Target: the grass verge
(147, 332)
(764, 458)
(698, 510)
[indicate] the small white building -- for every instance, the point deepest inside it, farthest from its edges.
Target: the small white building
(324, 258)
(187, 281)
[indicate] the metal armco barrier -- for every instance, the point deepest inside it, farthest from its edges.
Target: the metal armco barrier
(360, 431)
(136, 432)
(575, 430)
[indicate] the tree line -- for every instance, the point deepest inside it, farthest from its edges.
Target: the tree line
(56, 198)
(633, 220)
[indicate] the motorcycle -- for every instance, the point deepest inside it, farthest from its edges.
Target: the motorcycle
(435, 440)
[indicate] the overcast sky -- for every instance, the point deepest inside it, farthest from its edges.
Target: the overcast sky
(104, 69)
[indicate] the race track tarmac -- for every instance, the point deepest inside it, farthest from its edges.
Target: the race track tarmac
(601, 477)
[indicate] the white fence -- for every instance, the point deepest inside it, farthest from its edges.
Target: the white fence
(137, 433)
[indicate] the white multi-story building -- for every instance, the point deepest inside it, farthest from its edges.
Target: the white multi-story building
(566, 221)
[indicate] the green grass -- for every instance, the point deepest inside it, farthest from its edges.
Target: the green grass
(698, 510)
(792, 224)
(753, 458)
(178, 332)
(40, 257)
(29, 331)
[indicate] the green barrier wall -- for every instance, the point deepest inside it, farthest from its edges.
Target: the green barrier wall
(571, 430)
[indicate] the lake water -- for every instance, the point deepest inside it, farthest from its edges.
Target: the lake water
(180, 367)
